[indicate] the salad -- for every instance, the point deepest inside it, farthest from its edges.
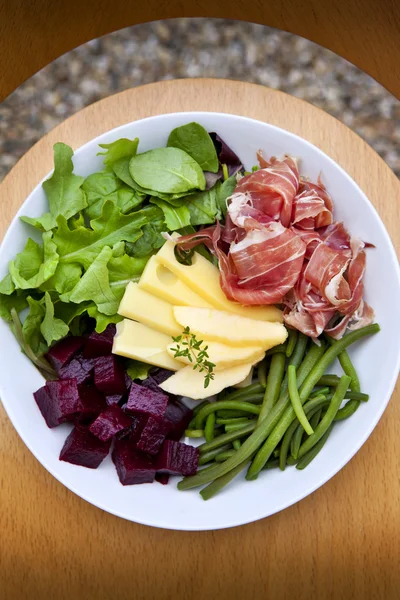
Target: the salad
(176, 274)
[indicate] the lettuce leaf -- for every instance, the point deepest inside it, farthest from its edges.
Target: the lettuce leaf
(35, 264)
(137, 369)
(9, 301)
(103, 186)
(175, 217)
(118, 149)
(196, 141)
(51, 328)
(31, 326)
(63, 191)
(102, 321)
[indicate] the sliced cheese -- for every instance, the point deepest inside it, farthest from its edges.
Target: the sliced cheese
(247, 381)
(220, 326)
(148, 309)
(140, 342)
(163, 283)
(203, 278)
(224, 356)
(190, 383)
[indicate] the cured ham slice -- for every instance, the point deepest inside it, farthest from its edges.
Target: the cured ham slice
(312, 207)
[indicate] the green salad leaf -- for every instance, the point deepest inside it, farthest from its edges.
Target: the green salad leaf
(8, 302)
(118, 149)
(195, 141)
(167, 170)
(105, 185)
(31, 327)
(151, 240)
(35, 264)
(204, 206)
(175, 217)
(102, 321)
(63, 191)
(137, 369)
(52, 328)
(225, 190)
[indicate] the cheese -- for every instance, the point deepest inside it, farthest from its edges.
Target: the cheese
(190, 383)
(138, 341)
(234, 330)
(163, 283)
(148, 309)
(224, 356)
(203, 278)
(246, 381)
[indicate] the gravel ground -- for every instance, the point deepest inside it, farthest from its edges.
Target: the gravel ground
(199, 48)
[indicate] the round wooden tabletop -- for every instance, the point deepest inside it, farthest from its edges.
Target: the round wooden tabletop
(341, 542)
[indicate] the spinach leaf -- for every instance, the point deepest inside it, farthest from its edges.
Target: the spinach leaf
(167, 170)
(118, 149)
(175, 216)
(204, 206)
(225, 190)
(105, 185)
(151, 239)
(196, 141)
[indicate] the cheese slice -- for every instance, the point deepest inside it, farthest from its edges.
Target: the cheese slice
(246, 381)
(163, 283)
(203, 278)
(224, 356)
(140, 342)
(234, 330)
(190, 383)
(148, 309)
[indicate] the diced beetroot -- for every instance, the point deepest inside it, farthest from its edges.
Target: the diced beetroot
(100, 344)
(132, 466)
(109, 375)
(114, 399)
(128, 381)
(177, 458)
(146, 401)
(178, 415)
(64, 350)
(93, 402)
(79, 368)
(111, 421)
(152, 436)
(156, 377)
(84, 449)
(134, 430)
(58, 401)
(162, 478)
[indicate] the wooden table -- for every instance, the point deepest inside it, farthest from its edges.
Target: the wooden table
(341, 542)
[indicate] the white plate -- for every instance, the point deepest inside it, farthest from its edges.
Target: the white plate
(376, 359)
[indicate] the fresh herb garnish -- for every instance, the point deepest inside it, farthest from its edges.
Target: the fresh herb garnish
(190, 347)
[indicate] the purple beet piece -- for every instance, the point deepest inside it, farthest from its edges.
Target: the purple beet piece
(159, 375)
(133, 467)
(64, 350)
(177, 458)
(134, 430)
(84, 449)
(162, 478)
(93, 402)
(111, 421)
(78, 368)
(114, 399)
(100, 344)
(146, 401)
(152, 435)
(58, 401)
(109, 375)
(178, 415)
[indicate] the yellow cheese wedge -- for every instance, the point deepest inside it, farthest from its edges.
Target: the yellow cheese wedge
(190, 383)
(148, 309)
(140, 342)
(234, 330)
(224, 356)
(246, 381)
(203, 278)
(163, 283)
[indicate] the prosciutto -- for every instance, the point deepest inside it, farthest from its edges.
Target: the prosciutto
(281, 245)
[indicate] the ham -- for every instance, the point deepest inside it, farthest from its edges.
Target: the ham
(312, 207)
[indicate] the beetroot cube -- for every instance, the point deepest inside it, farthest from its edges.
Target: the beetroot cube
(78, 368)
(100, 344)
(109, 423)
(109, 375)
(134, 430)
(63, 351)
(177, 458)
(146, 401)
(114, 399)
(152, 436)
(84, 449)
(178, 415)
(93, 402)
(156, 377)
(132, 466)
(162, 478)
(58, 401)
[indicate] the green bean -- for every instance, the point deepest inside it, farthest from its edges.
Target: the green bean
(359, 396)
(253, 388)
(231, 414)
(321, 390)
(236, 444)
(315, 418)
(299, 353)
(298, 435)
(330, 380)
(232, 420)
(200, 406)
(253, 442)
(276, 350)
(291, 343)
(211, 454)
(296, 402)
(252, 398)
(347, 410)
(327, 419)
(228, 437)
(224, 455)
(286, 444)
(209, 427)
(235, 426)
(271, 464)
(214, 406)
(291, 461)
(192, 423)
(262, 372)
(218, 484)
(276, 453)
(311, 454)
(194, 433)
(348, 367)
(274, 382)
